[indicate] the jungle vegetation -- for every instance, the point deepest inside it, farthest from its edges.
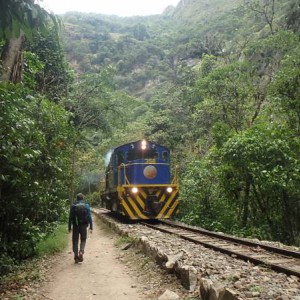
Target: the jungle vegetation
(216, 81)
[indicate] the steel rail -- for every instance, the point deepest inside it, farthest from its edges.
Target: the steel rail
(282, 251)
(245, 257)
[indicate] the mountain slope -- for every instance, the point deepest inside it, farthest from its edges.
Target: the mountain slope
(147, 51)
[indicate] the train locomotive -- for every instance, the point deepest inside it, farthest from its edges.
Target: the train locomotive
(138, 182)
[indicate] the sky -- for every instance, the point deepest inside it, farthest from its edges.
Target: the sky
(122, 8)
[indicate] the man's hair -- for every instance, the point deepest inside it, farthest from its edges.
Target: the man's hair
(79, 197)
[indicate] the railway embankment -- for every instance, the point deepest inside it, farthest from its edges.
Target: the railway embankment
(205, 272)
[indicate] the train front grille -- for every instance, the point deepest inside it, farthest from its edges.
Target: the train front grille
(148, 202)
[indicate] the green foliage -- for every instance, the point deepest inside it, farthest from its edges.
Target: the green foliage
(216, 81)
(49, 70)
(207, 65)
(35, 132)
(226, 95)
(94, 199)
(22, 16)
(250, 187)
(293, 16)
(285, 90)
(267, 53)
(54, 242)
(32, 66)
(124, 240)
(6, 264)
(242, 175)
(260, 170)
(90, 97)
(134, 45)
(199, 191)
(34, 168)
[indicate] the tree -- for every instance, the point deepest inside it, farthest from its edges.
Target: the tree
(285, 90)
(19, 19)
(259, 170)
(140, 32)
(89, 100)
(226, 94)
(34, 133)
(55, 77)
(293, 16)
(34, 152)
(203, 203)
(265, 8)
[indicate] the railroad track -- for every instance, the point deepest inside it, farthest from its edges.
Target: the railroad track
(277, 259)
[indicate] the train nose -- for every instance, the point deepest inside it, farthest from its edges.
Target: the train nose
(152, 205)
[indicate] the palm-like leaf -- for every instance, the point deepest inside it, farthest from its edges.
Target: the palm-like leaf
(22, 15)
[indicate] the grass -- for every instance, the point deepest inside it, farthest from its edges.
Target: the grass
(256, 288)
(54, 243)
(124, 240)
(33, 270)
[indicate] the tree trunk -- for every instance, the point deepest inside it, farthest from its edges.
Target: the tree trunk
(71, 190)
(288, 217)
(245, 215)
(12, 60)
(264, 210)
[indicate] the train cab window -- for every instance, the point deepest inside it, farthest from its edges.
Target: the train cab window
(165, 155)
(119, 158)
(136, 154)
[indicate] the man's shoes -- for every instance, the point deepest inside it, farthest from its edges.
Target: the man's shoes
(80, 256)
(76, 259)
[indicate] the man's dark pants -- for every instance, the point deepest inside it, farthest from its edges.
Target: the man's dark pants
(80, 230)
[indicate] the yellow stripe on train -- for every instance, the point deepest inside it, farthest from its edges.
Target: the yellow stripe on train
(167, 204)
(136, 205)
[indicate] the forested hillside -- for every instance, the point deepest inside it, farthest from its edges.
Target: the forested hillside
(216, 81)
(148, 51)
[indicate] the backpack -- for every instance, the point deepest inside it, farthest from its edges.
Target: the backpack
(81, 214)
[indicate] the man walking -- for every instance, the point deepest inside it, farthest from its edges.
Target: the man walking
(80, 217)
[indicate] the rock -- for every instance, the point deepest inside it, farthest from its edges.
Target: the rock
(291, 280)
(236, 276)
(205, 285)
(172, 259)
(168, 295)
(230, 295)
(144, 239)
(188, 277)
(282, 298)
(160, 257)
(217, 291)
(266, 279)
(295, 278)
(127, 246)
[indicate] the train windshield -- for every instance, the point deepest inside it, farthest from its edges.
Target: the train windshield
(134, 154)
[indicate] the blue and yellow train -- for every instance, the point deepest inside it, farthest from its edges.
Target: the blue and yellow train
(138, 182)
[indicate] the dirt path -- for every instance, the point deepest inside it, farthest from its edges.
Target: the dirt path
(100, 276)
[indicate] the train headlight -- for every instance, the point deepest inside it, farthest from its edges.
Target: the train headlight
(169, 190)
(134, 190)
(144, 145)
